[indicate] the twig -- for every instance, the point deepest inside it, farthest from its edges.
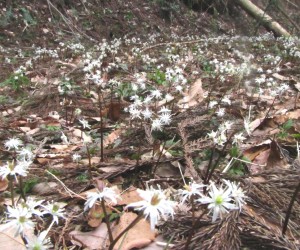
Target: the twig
(69, 191)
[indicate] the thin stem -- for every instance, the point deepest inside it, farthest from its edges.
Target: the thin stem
(131, 225)
(101, 127)
(192, 231)
(159, 157)
(11, 185)
(289, 211)
(209, 164)
(22, 188)
(90, 161)
(111, 239)
(207, 178)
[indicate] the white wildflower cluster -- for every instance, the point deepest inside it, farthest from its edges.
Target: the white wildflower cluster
(24, 158)
(44, 52)
(75, 48)
(21, 217)
(107, 194)
(222, 199)
(219, 137)
(155, 205)
(142, 109)
(230, 67)
(65, 86)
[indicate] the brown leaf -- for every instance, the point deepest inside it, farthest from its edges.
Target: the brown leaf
(93, 240)
(276, 160)
(114, 111)
(3, 184)
(129, 196)
(112, 137)
(95, 216)
(139, 236)
(194, 95)
(8, 240)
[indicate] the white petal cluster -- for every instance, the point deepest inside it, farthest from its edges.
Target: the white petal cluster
(154, 205)
(221, 199)
(12, 169)
(20, 219)
(13, 143)
(55, 210)
(39, 242)
(192, 189)
(108, 194)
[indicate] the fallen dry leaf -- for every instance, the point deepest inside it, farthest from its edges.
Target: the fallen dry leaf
(96, 215)
(3, 184)
(194, 95)
(8, 241)
(92, 240)
(129, 196)
(112, 137)
(139, 236)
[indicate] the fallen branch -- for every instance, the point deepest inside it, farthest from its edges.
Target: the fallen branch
(264, 18)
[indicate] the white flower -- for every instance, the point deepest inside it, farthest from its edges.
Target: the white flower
(147, 113)
(23, 165)
(220, 139)
(179, 88)
(55, 210)
(165, 118)
(156, 125)
(85, 123)
(225, 126)
(78, 111)
(12, 169)
(154, 205)
(212, 134)
(238, 138)
(193, 189)
(135, 113)
(212, 104)
(218, 200)
(13, 143)
(226, 100)
(20, 219)
(40, 242)
(168, 97)
(108, 194)
(164, 109)
(76, 157)
(220, 112)
(237, 193)
(156, 93)
(31, 205)
(26, 154)
(64, 138)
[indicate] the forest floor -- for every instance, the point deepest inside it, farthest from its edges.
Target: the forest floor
(106, 106)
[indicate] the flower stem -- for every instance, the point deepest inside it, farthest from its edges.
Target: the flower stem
(11, 185)
(159, 157)
(90, 162)
(111, 239)
(22, 188)
(289, 211)
(192, 231)
(131, 225)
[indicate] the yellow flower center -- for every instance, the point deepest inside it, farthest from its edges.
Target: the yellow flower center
(155, 199)
(187, 187)
(11, 166)
(219, 200)
(22, 219)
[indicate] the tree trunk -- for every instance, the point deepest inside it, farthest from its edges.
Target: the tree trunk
(263, 17)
